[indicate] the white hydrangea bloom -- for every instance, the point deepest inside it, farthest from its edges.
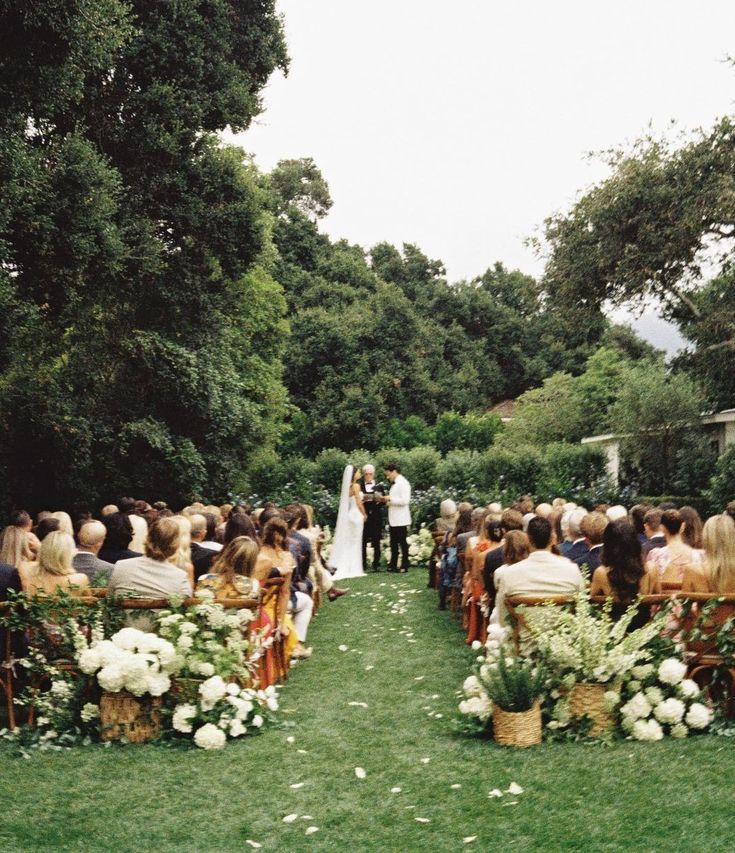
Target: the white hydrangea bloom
(647, 730)
(698, 716)
(111, 678)
(188, 628)
(670, 711)
(183, 715)
(642, 671)
(689, 689)
(672, 671)
(210, 737)
(90, 712)
(185, 642)
(126, 638)
(654, 695)
(679, 730)
(636, 708)
(158, 684)
(472, 686)
(211, 691)
(257, 721)
(237, 729)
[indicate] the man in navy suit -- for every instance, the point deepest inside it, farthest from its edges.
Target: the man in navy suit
(577, 548)
(592, 528)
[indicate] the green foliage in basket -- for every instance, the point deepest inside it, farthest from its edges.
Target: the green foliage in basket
(515, 684)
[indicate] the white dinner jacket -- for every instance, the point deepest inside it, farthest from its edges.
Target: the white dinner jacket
(399, 514)
(541, 573)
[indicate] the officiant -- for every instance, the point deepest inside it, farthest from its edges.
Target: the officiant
(373, 496)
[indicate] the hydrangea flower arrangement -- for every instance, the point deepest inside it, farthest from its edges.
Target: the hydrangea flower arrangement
(658, 700)
(223, 711)
(210, 640)
(131, 660)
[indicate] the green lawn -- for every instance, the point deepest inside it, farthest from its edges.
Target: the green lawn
(665, 796)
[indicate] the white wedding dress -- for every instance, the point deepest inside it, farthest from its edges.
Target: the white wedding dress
(346, 553)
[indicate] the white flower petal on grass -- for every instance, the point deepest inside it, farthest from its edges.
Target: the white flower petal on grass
(425, 760)
(296, 785)
(455, 787)
(343, 648)
(396, 790)
(310, 830)
(290, 739)
(511, 803)
(253, 844)
(514, 788)
(468, 839)
(368, 668)
(496, 792)
(419, 678)
(307, 817)
(302, 752)
(358, 704)
(290, 818)
(422, 819)
(360, 772)
(438, 716)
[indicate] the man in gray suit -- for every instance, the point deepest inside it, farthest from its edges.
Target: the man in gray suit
(91, 536)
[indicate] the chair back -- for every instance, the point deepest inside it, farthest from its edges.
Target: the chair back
(518, 620)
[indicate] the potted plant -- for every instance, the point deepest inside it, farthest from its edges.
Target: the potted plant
(515, 686)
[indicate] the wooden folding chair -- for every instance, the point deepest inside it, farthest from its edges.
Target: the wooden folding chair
(272, 590)
(7, 672)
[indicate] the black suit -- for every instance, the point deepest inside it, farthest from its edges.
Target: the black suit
(591, 559)
(372, 531)
(10, 580)
(657, 541)
(578, 552)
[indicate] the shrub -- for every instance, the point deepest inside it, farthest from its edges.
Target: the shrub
(330, 465)
(459, 470)
(513, 472)
(420, 466)
(722, 485)
(570, 468)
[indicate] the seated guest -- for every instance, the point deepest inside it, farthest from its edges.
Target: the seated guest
(621, 574)
(201, 558)
(153, 575)
(117, 540)
(691, 533)
(64, 519)
(447, 516)
(90, 538)
(541, 573)
(233, 571)
(14, 548)
(730, 509)
(239, 524)
(21, 519)
(669, 561)
(616, 512)
(318, 573)
(511, 519)
(9, 580)
(140, 532)
(474, 589)
(47, 525)
(575, 547)
(637, 514)
(108, 509)
(544, 510)
(214, 520)
(592, 527)
(54, 571)
(275, 548)
(654, 534)
(716, 571)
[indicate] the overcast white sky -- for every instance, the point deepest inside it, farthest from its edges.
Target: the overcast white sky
(459, 126)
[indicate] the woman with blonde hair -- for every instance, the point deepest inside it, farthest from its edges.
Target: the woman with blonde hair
(716, 572)
(182, 558)
(65, 525)
(15, 551)
(54, 570)
(232, 571)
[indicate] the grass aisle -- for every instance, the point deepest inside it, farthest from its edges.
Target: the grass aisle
(384, 704)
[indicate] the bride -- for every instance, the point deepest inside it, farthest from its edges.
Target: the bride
(346, 554)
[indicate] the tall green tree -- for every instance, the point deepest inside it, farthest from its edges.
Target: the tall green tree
(136, 269)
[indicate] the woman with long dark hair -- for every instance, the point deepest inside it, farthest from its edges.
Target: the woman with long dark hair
(622, 575)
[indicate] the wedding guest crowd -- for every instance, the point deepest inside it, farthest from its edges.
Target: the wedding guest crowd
(490, 553)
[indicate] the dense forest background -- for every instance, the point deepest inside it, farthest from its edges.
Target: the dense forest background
(173, 323)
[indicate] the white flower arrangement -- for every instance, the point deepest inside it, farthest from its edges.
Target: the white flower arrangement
(131, 660)
(662, 702)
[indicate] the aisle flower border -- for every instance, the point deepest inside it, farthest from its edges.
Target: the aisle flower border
(647, 694)
(77, 648)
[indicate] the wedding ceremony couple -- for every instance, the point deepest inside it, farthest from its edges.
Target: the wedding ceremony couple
(360, 521)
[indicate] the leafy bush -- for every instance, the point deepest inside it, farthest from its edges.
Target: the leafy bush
(420, 465)
(330, 464)
(567, 468)
(722, 485)
(509, 471)
(459, 470)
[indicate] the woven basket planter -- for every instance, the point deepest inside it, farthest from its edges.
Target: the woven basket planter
(135, 718)
(517, 728)
(587, 699)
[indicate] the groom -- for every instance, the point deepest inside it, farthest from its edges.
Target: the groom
(399, 516)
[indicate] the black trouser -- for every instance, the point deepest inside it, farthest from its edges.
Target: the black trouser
(398, 537)
(372, 536)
